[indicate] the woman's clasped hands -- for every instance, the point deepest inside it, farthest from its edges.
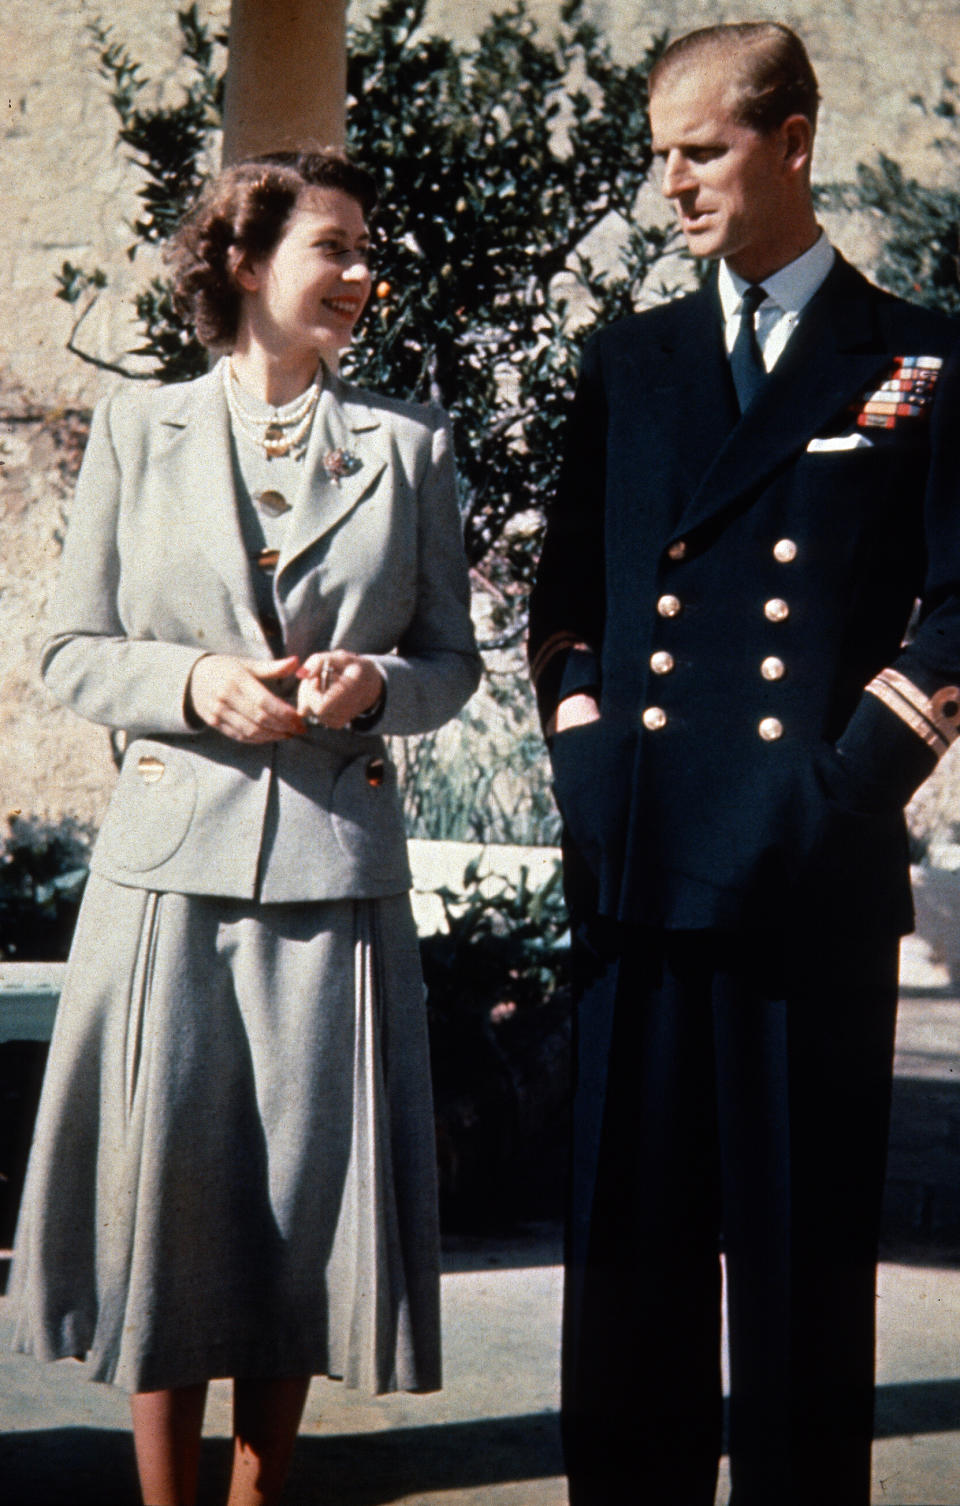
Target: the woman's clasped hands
(233, 695)
(337, 687)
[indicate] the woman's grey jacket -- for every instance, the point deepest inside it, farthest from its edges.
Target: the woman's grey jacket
(155, 575)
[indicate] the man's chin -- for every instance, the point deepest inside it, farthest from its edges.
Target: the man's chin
(703, 244)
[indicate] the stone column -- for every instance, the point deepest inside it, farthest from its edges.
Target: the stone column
(286, 76)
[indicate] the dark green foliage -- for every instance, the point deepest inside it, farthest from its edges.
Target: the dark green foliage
(505, 948)
(920, 259)
(495, 163)
(169, 343)
(170, 142)
(43, 868)
(498, 1005)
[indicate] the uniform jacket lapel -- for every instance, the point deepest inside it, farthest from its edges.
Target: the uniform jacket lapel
(832, 354)
(696, 394)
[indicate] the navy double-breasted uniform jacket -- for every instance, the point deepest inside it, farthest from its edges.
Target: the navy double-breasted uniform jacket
(739, 591)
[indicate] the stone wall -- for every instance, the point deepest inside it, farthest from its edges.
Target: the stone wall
(70, 194)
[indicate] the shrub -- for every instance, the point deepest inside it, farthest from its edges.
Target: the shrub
(43, 869)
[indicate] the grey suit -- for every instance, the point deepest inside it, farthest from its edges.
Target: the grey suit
(235, 1141)
(155, 575)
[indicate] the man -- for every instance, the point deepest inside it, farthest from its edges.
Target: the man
(760, 480)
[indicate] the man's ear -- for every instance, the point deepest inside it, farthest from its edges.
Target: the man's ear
(243, 269)
(796, 137)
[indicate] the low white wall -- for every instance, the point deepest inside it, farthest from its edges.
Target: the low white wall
(30, 991)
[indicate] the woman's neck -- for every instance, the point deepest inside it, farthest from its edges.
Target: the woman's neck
(271, 378)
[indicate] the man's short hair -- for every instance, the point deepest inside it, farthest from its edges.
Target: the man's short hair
(768, 65)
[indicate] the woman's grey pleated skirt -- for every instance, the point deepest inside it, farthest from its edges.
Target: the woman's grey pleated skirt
(233, 1167)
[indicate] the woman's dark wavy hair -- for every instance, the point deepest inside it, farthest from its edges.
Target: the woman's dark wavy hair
(243, 212)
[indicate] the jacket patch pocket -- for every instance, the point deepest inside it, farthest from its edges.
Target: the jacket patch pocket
(151, 809)
(367, 819)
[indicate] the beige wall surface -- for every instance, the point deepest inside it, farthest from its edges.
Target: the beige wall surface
(69, 193)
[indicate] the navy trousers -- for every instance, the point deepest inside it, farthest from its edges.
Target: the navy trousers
(725, 1099)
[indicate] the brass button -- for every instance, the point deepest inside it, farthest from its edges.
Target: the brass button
(654, 717)
(678, 550)
(773, 668)
(770, 729)
(662, 663)
(784, 550)
(273, 503)
(776, 610)
(149, 768)
(669, 606)
(946, 705)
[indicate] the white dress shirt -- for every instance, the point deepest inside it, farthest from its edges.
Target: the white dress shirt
(788, 293)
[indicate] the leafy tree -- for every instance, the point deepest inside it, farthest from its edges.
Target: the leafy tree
(496, 163)
(496, 160)
(920, 236)
(173, 145)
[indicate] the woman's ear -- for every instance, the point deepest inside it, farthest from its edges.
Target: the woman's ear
(243, 269)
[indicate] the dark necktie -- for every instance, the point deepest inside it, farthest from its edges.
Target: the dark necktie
(746, 362)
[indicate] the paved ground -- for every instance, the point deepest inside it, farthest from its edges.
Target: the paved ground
(490, 1437)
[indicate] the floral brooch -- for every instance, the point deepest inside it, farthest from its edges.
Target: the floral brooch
(340, 463)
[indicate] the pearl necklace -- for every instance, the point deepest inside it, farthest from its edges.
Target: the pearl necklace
(285, 431)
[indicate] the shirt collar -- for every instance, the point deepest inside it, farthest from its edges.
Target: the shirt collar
(791, 288)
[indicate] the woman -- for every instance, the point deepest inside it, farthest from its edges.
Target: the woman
(232, 1170)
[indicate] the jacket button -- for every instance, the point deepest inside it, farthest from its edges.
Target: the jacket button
(662, 663)
(773, 668)
(776, 610)
(375, 772)
(273, 503)
(770, 729)
(669, 606)
(784, 550)
(654, 717)
(149, 768)
(677, 550)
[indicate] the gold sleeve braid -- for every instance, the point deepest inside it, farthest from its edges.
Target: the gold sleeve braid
(935, 719)
(557, 643)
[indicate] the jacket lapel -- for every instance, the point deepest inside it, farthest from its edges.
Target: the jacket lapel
(344, 430)
(832, 354)
(692, 384)
(193, 450)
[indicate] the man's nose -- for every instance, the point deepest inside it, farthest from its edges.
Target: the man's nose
(676, 175)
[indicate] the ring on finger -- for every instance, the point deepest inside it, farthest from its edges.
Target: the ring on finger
(326, 675)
